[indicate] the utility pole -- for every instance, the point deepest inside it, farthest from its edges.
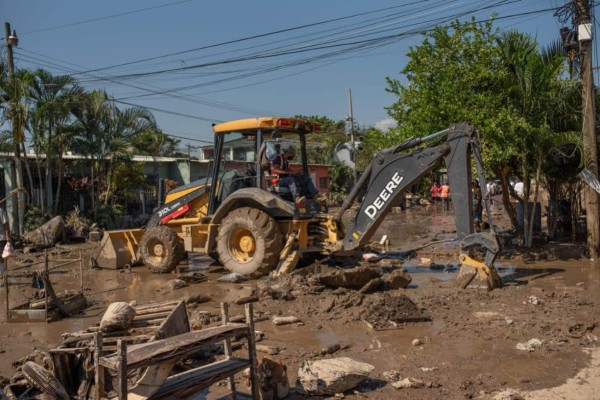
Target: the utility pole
(351, 118)
(584, 25)
(17, 129)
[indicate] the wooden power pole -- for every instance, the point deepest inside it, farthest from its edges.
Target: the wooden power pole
(17, 129)
(590, 144)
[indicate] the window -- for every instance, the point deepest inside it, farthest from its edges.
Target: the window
(323, 183)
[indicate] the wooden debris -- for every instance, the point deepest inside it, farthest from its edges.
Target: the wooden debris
(247, 299)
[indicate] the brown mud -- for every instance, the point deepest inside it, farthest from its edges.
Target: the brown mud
(467, 339)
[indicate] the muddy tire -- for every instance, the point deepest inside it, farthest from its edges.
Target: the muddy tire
(161, 249)
(249, 242)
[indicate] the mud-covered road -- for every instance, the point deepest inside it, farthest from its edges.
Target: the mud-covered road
(467, 341)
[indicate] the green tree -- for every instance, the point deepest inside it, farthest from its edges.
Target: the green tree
(54, 97)
(92, 115)
(155, 143)
(122, 127)
(541, 102)
(505, 86)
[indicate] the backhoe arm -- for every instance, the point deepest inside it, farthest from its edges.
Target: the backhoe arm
(391, 173)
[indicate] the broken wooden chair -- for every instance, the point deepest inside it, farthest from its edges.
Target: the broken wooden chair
(160, 356)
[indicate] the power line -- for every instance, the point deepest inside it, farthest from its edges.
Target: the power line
(250, 37)
(107, 17)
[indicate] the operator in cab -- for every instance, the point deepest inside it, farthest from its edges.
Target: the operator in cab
(296, 181)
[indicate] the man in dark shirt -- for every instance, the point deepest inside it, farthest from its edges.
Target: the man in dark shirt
(294, 180)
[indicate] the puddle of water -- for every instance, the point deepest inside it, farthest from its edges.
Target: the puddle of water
(445, 271)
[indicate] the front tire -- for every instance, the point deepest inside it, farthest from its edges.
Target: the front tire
(249, 242)
(161, 249)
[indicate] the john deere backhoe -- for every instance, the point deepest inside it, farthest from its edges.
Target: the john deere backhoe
(243, 218)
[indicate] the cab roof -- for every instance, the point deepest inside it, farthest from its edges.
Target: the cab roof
(251, 125)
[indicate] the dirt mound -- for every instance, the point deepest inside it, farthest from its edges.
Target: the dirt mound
(383, 311)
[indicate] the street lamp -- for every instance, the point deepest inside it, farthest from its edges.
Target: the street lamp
(13, 40)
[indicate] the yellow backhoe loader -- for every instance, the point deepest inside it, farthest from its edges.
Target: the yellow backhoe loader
(251, 224)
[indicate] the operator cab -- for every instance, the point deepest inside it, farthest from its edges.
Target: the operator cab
(246, 150)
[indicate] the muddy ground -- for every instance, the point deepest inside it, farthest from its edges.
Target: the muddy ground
(467, 339)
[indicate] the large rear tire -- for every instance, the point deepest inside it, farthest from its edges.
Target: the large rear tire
(249, 242)
(161, 249)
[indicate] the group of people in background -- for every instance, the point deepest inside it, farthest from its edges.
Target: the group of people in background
(441, 194)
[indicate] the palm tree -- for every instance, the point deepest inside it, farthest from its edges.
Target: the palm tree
(538, 98)
(91, 120)
(15, 109)
(121, 128)
(54, 97)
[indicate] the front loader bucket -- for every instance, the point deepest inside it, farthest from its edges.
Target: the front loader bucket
(119, 248)
(475, 273)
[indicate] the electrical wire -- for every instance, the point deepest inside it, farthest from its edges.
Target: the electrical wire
(106, 17)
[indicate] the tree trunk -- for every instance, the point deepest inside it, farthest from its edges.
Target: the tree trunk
(28, 169)
(525, 200)
(38, 164)
(59, 181)
(538, 175)
(94, 202)
(49, 187)
(109, 181)
(506, 200)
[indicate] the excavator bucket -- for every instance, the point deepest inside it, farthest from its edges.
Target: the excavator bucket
(479, 274)
(118, 248)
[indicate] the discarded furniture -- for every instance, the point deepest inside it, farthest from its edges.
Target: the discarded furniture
(159, 357)
(152, 322)
(52, 306)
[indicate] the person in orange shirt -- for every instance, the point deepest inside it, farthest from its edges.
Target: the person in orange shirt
(445, 195)
(435, 192)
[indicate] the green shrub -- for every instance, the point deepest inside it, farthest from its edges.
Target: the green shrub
(108, 216)
(34, 217)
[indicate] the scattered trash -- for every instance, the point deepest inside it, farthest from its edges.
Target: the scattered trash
(233, 277)
(285, 320)
(247, 299)
(426, 369)
(371, 257)
(271, 350)
(408, 383)
(579, 329)
(9, 250)
(417, 342)
(508, 320)
(534, 300)
(331, 376)
(273, 379)
(43, 380)
(118, 317)
(175, 284)
(197, 299)
(530, 346)
(391, 375)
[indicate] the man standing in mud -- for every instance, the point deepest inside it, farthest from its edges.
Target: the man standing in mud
(445, 195)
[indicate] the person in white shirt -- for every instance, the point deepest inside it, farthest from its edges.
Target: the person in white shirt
(519, 188)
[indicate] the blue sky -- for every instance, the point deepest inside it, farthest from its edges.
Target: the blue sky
(250, 77)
